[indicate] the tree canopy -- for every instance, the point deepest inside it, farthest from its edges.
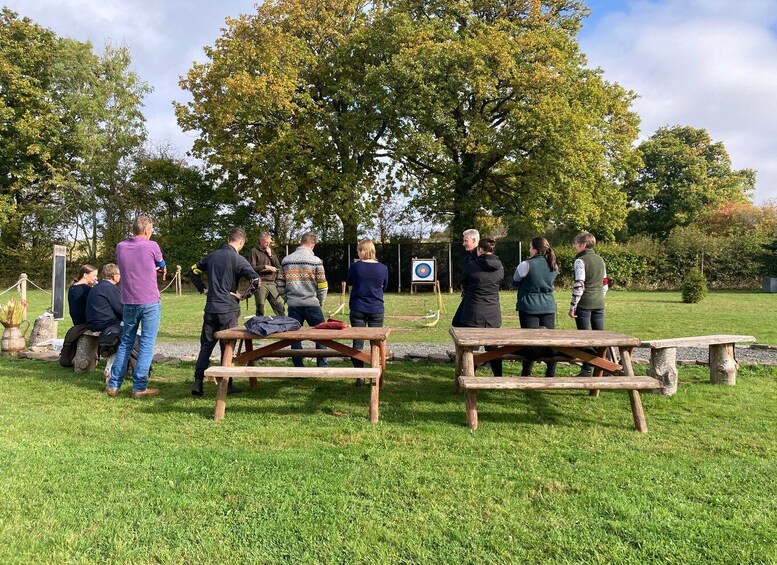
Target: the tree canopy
(685, 174)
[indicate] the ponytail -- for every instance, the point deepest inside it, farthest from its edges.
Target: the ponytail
(543, 248)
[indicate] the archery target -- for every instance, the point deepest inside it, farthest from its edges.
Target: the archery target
(424, 271)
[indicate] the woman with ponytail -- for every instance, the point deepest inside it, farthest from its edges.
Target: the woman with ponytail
(536, 304)
(78, 292)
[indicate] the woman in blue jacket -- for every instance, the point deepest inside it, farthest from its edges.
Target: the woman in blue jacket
(368, 280)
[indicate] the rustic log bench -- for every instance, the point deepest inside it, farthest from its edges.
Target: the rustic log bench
(222, 374)
(723, 363)
(87, 352)
(470, 385)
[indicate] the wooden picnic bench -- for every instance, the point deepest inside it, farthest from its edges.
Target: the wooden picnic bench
(723, 363)
(278, 345)
(574, 344)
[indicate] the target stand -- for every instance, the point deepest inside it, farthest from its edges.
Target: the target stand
(424, 273)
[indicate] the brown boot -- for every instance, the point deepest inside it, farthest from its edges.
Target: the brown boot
(145, 393)
(111, 391)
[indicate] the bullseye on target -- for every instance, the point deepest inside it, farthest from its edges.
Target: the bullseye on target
(424, 271)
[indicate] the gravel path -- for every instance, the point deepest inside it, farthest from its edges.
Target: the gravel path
(187, 351)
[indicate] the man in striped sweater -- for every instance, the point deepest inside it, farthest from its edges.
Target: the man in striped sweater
(302, 284)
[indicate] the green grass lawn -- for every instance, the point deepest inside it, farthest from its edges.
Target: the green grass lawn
(647, 315)
(295, 472)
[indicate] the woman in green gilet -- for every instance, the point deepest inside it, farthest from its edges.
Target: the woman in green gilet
(536, 303)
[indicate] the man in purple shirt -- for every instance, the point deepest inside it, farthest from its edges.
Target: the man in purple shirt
(139, 258)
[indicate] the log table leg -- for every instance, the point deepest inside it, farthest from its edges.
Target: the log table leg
(598, 371)
(377, 363)
(640, 424)
(663, 366)
(457, 372)
(723, 364)
(87, 353)
(223, 384)
(472, 410)
(249, 346)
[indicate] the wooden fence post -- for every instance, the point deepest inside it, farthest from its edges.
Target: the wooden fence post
(23, 291)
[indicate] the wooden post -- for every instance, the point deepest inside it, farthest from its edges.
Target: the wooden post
(376, 363)
(723, 364)
(472, 410)
(663, 366)
(178, 283)
(23, 292)
(249, 346)
(450, 269)
(457, 372)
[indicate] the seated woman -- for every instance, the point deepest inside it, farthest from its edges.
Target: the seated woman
(79, 291)
(481, 280)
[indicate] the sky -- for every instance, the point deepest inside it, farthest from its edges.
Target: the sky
(704, 63)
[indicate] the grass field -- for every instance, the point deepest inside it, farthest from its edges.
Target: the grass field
(295, 473)
(647, 315)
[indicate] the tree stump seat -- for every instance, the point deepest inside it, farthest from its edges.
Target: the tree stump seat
(723, 363)
(87, 352)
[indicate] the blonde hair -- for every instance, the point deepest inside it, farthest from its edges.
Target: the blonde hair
(366, 250)
(586, 238)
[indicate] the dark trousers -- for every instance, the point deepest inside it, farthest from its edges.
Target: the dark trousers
(536, 321)
(268, 292)
(589, 320)
(364, 320)
(211, 323)
(313, 315)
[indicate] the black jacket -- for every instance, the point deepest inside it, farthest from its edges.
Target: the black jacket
(103, 306)
(479, 308)
(224, 267)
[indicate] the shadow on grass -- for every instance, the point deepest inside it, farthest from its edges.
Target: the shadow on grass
(413, 393)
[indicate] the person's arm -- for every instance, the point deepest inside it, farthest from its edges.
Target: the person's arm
(254, 281)
(280, 283)
(195, 275)
(321, 285)
(159, 261)
(606, 282)
(116, 305)
(578, 288)
(385, 278)
(520, 272)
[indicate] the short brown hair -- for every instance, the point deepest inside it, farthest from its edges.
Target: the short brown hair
(237, 234)
(487, 244)
(141, 224)
(109, 270)
(366, 250)
(309, 238)
(587, 238)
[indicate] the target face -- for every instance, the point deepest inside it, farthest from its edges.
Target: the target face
(424, 271)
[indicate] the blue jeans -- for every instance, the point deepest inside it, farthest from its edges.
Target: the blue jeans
(364, 320)
(313, 315)
(146, 317)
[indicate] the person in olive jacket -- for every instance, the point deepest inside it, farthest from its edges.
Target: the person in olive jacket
(481, 281)
(536, 304)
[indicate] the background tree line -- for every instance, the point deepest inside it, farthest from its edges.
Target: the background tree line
(389, 119)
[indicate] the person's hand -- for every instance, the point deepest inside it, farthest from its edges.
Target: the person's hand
(572, 313)
(236, 295)
(270, 268)
(205, 291)
(163, 271)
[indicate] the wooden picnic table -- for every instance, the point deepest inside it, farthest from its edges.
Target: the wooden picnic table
(278, 345)
(578, 345)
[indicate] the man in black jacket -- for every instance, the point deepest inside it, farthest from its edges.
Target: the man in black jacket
(224, 267)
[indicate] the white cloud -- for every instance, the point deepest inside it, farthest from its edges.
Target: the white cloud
(706, 63)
